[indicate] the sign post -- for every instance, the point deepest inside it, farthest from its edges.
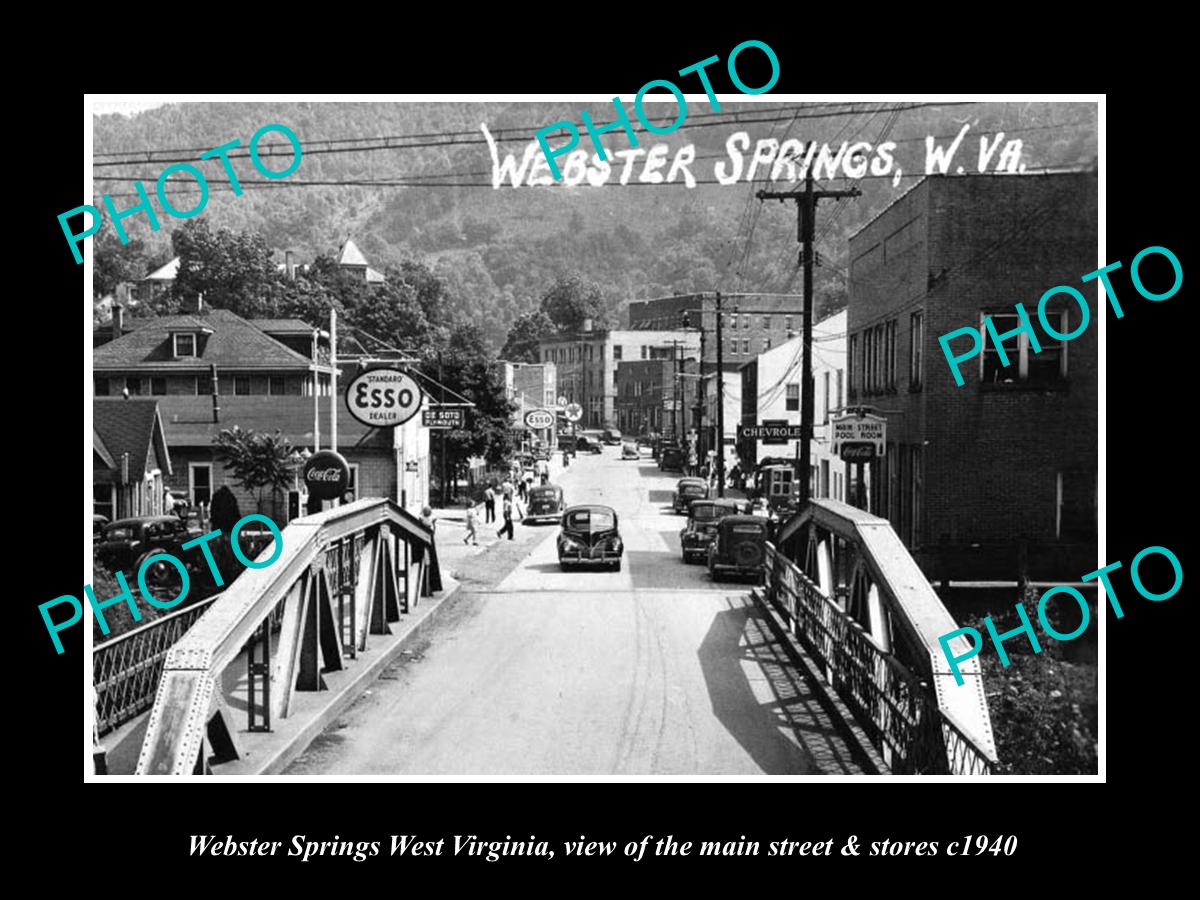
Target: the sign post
(859, 438)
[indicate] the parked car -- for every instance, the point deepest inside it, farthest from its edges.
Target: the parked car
(590, 536)
(687, 490)
(545, 503)
(671, 458)
(584, 444)
(611, 437)
(127, 543)
(542, 451)
(629, 450)
(701, 528)
(739, 548)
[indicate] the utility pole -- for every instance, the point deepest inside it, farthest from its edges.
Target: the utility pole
(442, 432)
(806, 213)
(720, 405)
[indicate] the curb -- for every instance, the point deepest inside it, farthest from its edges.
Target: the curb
(347, 694)
(861, 748)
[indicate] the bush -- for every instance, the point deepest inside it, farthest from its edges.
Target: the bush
(1043, 706)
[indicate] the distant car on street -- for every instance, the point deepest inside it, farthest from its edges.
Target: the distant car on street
(701, 528)
(671, 458)
(739, 548)
(611, 437)
(545, 503)
(584, 444)
(590, 536)
(629, 450)
(687, 490)
(542, 451)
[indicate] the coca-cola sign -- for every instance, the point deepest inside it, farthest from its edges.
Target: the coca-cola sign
(327, 474)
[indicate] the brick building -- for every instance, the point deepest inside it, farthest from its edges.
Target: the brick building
(587, 364)
(998, 475)
(649, 399)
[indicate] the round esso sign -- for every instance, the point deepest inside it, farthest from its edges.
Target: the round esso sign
(383, 397)
(538, 419)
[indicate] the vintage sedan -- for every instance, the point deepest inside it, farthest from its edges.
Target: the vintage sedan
(701, 528)
(545, 503)
(687, 490)
(629, 450)
(671, 457)
(585, 444)
(739, 548)
(589, 536)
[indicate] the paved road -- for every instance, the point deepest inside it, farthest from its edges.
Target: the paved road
(650, 670)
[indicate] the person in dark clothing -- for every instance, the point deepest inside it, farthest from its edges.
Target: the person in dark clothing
(489, 504)
(508, 519)
(523, 489)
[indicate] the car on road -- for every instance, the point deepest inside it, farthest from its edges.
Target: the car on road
(128, 542)
(584, 444)
(629, 450)
(590, 536)
(687, 490)
(611, 437)
(739, 548)
(701, 528)
(671, 457)
(541, 450)
(545, 503)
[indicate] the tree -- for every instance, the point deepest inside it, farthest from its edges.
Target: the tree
(523, 338)
(233, 269)
(571, 300)
(116, 263)
(223, 511)
(468, 369)
(257, 461)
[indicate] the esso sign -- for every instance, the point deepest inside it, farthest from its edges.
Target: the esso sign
(383, 397)
(538, 419)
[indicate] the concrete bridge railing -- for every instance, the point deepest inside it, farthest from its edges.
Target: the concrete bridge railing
(860, 605)
(340, 577)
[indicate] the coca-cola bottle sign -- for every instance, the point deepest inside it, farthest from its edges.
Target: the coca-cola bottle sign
(326, 474)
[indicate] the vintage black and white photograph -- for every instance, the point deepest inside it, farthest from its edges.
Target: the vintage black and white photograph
(736, 436)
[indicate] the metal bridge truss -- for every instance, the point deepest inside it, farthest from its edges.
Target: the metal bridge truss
(342, 576)
(863, 609)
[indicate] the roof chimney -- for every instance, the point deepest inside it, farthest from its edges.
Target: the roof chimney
(199, 303)
(289, 264)
(216, 404)
(118, 320)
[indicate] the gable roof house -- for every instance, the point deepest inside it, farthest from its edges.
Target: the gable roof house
(130, 459)
(211, 369)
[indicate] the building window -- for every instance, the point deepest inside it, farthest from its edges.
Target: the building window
(277, 385)
(1024, 366)
(185, 345)
(203, 385)
(890, 341)
(1075, 506)
(746, 321)
(199, 483)
(158, 386)
(792, 401)
(767, 322)
(916, 339)
(733, 320)
(853, 363)
(766, 344)
(645, 352)
(101, 387)
(839, 399)
(241, 385)
(746, 347)
(102, 500)
(134, 386)
(352, 484)
(617, 352)
(787, 323)
(826, 420)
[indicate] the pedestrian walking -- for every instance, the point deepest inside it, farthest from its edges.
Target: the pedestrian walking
(523, 490)
(427, 518)
(507, 489)
(508, 519)
(472, 527)
(489, 504)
